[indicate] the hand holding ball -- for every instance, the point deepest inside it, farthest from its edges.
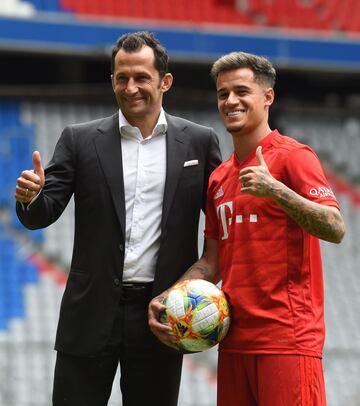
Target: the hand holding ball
(198, 313)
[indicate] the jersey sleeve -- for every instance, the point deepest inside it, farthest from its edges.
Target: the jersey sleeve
(306, 177)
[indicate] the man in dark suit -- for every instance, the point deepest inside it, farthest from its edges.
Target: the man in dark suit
(139, 180)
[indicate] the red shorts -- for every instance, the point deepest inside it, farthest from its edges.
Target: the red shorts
(270, 380)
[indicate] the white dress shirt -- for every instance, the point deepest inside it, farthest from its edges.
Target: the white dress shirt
(144, 168)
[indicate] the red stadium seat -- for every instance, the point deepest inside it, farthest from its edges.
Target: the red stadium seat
(332, 15)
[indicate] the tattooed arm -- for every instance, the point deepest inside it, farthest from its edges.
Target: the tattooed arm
(205, 268)
(322, 221)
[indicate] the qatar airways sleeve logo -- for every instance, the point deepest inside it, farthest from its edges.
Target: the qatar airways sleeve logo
(225, 215)
(322, 192)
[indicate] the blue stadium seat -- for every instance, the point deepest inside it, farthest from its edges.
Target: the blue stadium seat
(46, 5)
(17, 143)
(15, 272)
(9, 114)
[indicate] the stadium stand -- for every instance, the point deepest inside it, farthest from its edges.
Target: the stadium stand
(29, 301)
(335, 138)
(328, 15)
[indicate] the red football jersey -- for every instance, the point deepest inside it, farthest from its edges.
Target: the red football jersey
(271, 267)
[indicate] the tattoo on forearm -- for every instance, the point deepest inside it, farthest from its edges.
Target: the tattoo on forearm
(318, 220)
(198, 270)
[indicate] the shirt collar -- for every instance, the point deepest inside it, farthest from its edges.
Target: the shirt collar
(128, 130)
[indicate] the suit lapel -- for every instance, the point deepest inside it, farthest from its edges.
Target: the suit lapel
(108, 147)
(177, 143)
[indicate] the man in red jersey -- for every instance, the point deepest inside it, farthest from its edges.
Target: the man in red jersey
(267, 208)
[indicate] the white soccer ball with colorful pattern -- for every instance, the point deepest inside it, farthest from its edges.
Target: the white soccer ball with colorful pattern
(198, 313)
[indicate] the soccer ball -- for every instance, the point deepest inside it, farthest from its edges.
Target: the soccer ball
(198, 313)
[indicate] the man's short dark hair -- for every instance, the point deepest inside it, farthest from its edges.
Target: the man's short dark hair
(264, 71)
(133, 42)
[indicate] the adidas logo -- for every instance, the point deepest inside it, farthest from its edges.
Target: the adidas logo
(219, 193)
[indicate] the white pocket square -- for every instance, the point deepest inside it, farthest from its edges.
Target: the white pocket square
(191, 163)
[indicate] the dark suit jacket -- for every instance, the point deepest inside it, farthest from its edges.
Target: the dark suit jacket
(87, 162)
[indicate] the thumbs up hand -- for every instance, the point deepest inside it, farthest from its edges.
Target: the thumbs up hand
(30, 182)
(257, 180)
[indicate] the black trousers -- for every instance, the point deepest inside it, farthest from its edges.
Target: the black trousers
(150, 373)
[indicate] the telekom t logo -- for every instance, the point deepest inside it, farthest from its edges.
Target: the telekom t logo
(225, 214)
